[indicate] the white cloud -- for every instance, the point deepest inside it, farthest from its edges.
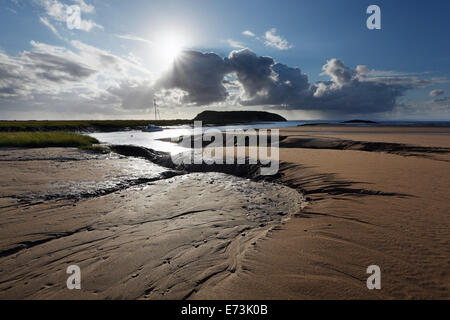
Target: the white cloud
(42, 72)
(235, 44)
(54, 9)
(437, 109)
(133, 38)
(88, 25)
(248, 33)
(134, 94)
(56, 78)
(134, 59)
(58, 11)
(86, 8)
(435, 93)
(50, 26)
(272, 39)
(18, 3)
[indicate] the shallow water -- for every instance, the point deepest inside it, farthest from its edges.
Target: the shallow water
(151, 139)
(36, 175)
(144, 139)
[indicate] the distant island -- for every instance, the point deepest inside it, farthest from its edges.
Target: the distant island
(359, 121)
(237, 116)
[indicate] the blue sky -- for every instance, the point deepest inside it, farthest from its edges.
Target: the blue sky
(125, 48)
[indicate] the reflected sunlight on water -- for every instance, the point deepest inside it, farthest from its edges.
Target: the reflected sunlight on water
(151, 139)
(144, 139)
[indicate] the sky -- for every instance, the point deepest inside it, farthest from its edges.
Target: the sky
(303, 59)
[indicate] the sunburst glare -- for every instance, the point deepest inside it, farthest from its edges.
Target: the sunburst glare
(171, 44)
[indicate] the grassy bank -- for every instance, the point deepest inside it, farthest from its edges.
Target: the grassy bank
(46, 140)
(88, 125)
(95, 125)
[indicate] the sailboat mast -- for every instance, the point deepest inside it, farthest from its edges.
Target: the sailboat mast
(154, 103)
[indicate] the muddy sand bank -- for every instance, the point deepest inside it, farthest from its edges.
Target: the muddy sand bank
(136, 230)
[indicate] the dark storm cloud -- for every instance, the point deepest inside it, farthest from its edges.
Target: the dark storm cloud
(347, 91)
(253, 72)
(351, 91)
(355, 97)
(200, 75)
(267, 83)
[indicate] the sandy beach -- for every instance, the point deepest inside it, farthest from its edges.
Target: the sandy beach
(135, 231)
(387, 209)
(347, 198)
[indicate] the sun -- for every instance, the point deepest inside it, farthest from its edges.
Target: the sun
(171, 45)
(167, 45)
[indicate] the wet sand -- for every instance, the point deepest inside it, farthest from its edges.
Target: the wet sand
(372, 195)
(134, 233)
(366, 208)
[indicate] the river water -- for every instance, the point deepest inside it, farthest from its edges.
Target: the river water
(152, 139)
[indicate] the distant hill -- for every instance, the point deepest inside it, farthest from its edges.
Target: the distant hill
(359, 121)
(237, 116)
